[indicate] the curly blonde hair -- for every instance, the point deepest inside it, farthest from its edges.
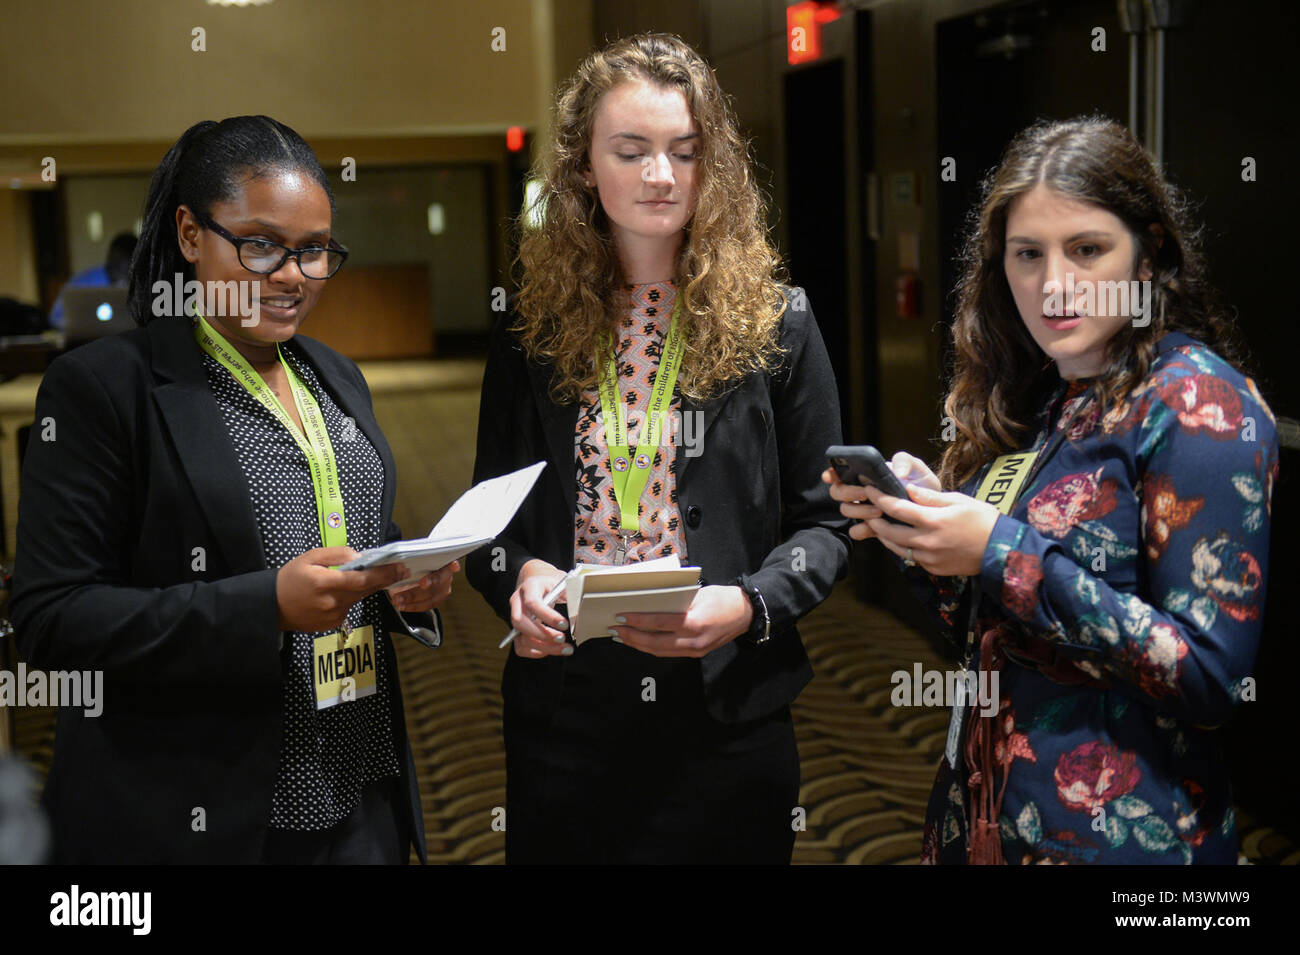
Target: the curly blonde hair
(572, 288)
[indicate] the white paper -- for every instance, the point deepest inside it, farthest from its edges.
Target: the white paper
(486, 508)
(573, 582)
(477, 517)
(599, 610)
(678, 594)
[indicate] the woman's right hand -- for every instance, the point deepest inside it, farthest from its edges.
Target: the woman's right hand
(853, 498)
(313, 598)
(541, 628)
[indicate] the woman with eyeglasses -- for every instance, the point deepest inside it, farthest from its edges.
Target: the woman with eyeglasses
(188, 492)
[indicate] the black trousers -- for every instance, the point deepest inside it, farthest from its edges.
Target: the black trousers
(377, 832)
(630, 768)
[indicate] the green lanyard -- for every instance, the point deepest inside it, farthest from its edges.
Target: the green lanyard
(315, 444)
(631, 466)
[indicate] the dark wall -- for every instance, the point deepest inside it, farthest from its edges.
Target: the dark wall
(1231, 94)
(612, 19)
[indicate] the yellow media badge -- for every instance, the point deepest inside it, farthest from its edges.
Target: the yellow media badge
(343, 668)
(1002, 485)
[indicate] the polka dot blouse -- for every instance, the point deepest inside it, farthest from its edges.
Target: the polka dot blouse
(640, 345)
(326, 756)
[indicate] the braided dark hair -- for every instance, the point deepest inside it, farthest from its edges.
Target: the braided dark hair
(206, 165)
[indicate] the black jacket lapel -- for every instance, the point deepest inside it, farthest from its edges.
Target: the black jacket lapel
(559, 425)
(202, 442)
(709, 411)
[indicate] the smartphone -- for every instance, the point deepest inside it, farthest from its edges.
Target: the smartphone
(863, 465)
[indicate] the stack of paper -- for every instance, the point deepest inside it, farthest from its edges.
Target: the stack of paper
(477, 517)
(597, 593)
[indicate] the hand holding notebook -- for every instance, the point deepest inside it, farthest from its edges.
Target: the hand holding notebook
(477, 517)
(597, 593)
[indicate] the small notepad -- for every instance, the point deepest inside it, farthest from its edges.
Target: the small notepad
(597, 593)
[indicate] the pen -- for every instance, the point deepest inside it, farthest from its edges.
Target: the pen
(551, 597)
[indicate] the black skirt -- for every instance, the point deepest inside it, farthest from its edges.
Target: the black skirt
(625, 765)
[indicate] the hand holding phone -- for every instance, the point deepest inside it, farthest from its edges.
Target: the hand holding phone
(863, 465)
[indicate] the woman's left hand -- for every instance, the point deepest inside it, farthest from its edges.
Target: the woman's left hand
(430, 591)
(715, 617)
(949, 531)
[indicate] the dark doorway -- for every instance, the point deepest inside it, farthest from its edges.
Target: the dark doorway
(816, 205)
(998, 72)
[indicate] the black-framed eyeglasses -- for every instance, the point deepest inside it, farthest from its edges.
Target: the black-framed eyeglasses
(264, 256)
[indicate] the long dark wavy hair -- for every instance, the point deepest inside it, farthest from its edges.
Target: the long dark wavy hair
(1000, 376)
(571, 280)
(208, 164)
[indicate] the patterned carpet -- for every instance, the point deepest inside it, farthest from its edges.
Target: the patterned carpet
(867, 765)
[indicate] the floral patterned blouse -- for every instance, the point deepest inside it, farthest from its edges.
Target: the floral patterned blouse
(640, 343)
(1124, 594)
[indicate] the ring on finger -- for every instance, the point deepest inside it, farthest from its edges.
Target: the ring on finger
(908, 559)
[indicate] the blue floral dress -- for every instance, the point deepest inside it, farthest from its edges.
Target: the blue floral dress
(1122, 603)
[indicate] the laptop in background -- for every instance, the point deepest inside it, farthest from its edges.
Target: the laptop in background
(91, 312)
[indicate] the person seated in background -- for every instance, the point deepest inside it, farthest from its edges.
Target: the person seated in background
(1120, 595)
(115, 271)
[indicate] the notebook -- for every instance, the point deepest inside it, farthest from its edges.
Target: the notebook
(597, 593)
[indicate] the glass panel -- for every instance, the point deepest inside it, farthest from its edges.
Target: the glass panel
(436, 216)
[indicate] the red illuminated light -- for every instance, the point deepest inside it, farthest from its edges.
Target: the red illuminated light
(803, 29)
(515, 138)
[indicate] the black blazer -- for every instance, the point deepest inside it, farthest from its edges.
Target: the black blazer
(139, 555)
(752, 503)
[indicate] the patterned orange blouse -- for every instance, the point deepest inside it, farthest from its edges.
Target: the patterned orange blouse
(640, 344)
